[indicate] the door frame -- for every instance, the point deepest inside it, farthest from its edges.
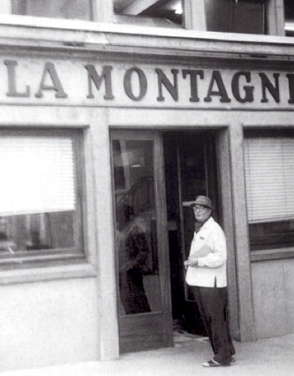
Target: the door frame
(223, 140)
(226, 176)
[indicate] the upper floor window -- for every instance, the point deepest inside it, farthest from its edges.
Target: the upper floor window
(71, 9)
(272, 17)
(289, 17)
(235, 16)
(149, 12)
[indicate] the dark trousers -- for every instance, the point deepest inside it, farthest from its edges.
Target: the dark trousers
(213, 306)
(132, 292)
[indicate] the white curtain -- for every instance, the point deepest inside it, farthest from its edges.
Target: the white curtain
(269, 174)
(36, 175)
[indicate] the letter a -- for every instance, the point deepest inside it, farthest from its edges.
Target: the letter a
(51, 71)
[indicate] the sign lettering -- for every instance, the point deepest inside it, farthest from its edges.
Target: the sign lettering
(120, 84)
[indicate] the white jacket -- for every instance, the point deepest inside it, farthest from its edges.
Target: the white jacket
(212, 268)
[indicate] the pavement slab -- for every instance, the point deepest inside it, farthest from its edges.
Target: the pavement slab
(266, 357)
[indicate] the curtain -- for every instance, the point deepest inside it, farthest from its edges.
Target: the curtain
(36, 175)
(269, 176)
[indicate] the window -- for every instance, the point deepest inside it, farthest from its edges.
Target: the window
(40, 196)
(289, 17)
(269, 173)
(71, 9)
(149, 12)
(241, 16)
(233, 16)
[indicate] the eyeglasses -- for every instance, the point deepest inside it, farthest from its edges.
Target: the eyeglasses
(199, 208)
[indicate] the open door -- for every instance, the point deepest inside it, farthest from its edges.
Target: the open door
(190, 170)
(143, 280)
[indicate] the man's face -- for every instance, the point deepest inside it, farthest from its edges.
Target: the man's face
(202, 213)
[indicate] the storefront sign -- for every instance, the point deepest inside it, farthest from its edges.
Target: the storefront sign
(74, 82)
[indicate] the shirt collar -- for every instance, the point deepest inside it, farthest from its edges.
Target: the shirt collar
(205, 225)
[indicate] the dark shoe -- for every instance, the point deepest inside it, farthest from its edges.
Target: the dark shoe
(233, 360)
(213, 363)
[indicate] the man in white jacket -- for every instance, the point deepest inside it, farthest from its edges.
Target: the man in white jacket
(207, 275)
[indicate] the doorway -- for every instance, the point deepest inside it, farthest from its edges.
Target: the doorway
(190, 170)
(153, 173)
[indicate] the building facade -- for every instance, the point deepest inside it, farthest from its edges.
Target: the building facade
(113, 114)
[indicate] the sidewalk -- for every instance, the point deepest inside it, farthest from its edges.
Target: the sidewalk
(269, 357)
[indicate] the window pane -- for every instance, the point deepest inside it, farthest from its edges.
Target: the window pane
(149, 13)
(271, 235)
(289, 10)
(289, 17)
(36, 232)
(39, 210)
(242, 16)
(72, 9)
(136, 237)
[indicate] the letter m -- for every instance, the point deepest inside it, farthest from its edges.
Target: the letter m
(94, 77)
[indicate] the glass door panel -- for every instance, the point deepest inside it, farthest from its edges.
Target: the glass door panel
(136, 226)
(140, 260)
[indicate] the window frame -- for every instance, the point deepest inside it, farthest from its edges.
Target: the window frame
(58, 256)
(281, 252)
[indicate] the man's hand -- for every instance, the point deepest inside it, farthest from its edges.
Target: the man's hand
(193, 263)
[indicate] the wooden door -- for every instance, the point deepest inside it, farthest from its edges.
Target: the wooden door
(143, 280)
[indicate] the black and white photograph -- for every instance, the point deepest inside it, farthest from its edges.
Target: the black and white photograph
(146, 187)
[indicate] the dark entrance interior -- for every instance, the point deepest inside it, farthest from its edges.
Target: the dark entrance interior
(190, 170)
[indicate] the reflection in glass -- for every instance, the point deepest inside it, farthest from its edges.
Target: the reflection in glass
(136, 241)
(133, 255)
(23, 234)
